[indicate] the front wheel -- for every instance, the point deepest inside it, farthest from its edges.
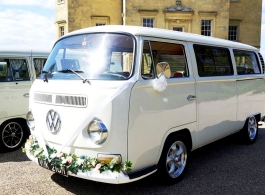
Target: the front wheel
(11, 136)
(173, 160)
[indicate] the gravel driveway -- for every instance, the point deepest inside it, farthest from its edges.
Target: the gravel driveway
(223, 167)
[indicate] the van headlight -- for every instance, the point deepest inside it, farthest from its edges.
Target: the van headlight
(30, 120)
(97, 131)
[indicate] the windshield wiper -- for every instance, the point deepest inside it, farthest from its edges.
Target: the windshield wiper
(75, 72)
(45, 79)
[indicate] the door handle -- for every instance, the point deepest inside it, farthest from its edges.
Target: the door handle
(191, 97)
(26, 95)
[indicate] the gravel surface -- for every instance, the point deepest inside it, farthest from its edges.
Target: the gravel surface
(224, 167)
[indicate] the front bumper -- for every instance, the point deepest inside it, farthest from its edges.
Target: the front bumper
(105, 177)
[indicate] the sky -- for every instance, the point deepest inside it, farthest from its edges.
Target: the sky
(30, 25)
(27, 24)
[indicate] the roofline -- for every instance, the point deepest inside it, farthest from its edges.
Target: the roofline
(161, 33)
(23, 53)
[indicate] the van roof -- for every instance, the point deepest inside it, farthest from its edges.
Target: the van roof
(17, 53)
(162, 33)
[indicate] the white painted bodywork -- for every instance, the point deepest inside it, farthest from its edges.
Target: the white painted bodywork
(14, 101)
(140, 119)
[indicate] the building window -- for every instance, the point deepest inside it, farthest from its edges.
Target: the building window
(206, 27)
(60, 1)
(62, 30)
(148, 22)
(100, 24)
(180, 29)
(232, 33)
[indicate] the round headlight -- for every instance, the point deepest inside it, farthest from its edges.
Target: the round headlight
(30, 120)
(97, 131)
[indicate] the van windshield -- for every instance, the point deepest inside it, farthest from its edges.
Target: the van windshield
(97, 56)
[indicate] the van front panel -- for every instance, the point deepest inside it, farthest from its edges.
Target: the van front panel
(72, 114)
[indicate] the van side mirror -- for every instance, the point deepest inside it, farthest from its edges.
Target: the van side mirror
(163, 68)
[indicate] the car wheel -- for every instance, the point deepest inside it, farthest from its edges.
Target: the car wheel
(173, 160)
(250, 130)
(12, 136)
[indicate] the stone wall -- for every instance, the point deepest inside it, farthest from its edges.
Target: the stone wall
(186, 14)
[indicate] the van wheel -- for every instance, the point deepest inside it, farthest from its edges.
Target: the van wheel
(250, 130)
(11, 136)
(173, 160)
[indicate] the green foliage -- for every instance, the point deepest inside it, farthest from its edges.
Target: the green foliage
(72, 162)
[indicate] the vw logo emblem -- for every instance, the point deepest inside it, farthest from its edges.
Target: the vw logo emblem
(53, 121)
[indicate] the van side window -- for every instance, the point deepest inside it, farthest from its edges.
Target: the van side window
(246, 62)
(13, 70)
(213, 61)
(38, 65)
(171, 53)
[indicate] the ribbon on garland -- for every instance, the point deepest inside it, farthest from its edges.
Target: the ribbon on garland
(163, 71)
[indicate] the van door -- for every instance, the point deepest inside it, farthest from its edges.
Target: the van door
(152, 113)
(216, 92)
(14, 87)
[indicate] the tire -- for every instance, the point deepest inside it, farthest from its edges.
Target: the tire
(173, 161)
(12, 135)
(249, 132)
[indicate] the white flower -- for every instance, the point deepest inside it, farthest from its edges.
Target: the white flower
(28, 146)
(64, 160)
(53, 155)
(80, 161)
(59, 155)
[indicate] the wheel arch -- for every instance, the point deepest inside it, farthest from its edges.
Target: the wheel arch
(185, 132)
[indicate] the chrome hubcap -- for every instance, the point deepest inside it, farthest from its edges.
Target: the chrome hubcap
(176, 159)
(12, 135)
(252, 127)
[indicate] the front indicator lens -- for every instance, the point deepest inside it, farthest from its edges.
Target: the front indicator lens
(107, 158)
(97, 131)
(30, 120)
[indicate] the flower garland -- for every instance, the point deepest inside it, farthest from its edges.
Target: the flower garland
(72, 162)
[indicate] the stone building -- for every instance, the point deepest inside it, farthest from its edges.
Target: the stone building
(236, 20)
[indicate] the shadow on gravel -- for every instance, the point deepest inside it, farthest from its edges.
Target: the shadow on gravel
(15, 156)
(220, 167)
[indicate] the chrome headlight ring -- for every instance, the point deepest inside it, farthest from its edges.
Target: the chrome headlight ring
(97, 131)
(30, 120)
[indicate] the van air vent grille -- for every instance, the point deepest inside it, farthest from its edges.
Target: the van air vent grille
(43, 98)
(262, 62)
(71, 100)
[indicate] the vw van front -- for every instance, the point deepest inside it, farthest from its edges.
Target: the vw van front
(79, 107)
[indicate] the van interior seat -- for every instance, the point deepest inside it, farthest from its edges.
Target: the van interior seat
(126, 74)
(177, 74)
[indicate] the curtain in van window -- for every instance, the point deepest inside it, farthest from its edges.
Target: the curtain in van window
(18, 70)
(38, 65)
(16, 64)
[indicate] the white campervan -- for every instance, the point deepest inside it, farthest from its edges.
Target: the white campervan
(18, 69)
(117, 103)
